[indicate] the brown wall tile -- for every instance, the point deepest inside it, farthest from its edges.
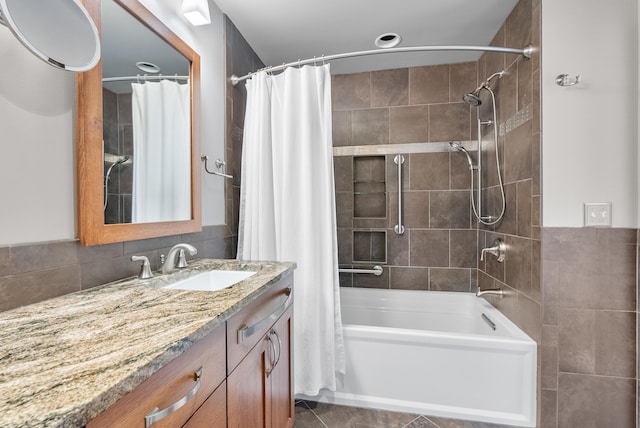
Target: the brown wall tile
(390, 87)
(615, 341)
(429, 171)
(341, 128)
(463, 249)
(464, 79)
(24, 289)
(428, 85)
(416, 209)
(595, 401)
(370, 127)
(410, 278)
(429, 248)
(450, 210)
(441, 279)
(409, 124)
(449, 122)
(577, 345)
(351, 91)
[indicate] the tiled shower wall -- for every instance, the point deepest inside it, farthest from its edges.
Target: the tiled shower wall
(518, 105)
(118, 140)
(437, 250)
(240, 60)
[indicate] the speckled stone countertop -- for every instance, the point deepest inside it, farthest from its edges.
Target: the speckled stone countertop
(65, 360)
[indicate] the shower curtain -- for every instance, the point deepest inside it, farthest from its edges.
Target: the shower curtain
(287, 209)
(161, 152)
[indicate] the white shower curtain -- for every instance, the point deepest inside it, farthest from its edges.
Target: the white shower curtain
(161, 152)
(287, 209)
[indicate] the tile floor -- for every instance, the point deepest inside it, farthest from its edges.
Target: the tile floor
(310, 414)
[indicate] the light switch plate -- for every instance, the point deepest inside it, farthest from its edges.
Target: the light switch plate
(597, 214)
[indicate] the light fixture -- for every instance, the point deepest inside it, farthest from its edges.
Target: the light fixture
(147, 67)
(388, 40)
(196, 11)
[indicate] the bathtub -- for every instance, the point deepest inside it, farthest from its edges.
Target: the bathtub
(436, 353)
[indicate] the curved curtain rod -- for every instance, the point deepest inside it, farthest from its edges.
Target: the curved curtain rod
(526, 52)
(143, 77)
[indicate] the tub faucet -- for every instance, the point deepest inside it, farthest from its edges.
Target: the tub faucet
(495, 291)
(498, 249)
(170, 261)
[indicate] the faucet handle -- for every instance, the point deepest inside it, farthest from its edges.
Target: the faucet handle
(499, 249)
(145, 268)
(182, 259)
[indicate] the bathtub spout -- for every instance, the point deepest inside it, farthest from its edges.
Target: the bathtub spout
(494, 291)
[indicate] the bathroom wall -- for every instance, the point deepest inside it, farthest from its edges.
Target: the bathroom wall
(589, 327)
(590, 312)
(40, 256)
(38, 122)
(377, 113)
(600, 144)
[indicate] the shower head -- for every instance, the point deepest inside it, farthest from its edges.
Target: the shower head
(473, 97)
(458, 147)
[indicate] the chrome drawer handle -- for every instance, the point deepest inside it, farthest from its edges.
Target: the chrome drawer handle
(249, 330)
(157, 414)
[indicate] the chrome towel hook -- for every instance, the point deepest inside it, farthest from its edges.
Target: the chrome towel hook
(566, 80)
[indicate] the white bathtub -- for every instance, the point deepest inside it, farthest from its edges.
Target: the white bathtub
(433, 353)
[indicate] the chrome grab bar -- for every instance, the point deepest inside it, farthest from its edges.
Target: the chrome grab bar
(155, 415)
(399, 228)
(377, 270)
(249, 330)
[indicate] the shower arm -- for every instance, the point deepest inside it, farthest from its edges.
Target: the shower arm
(526, 52)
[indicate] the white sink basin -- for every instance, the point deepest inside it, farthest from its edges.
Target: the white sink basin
(212, 280)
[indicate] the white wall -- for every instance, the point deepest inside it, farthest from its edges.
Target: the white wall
(590, 134)
(37, 132)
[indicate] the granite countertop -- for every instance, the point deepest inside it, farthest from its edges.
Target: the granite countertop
(65, 360)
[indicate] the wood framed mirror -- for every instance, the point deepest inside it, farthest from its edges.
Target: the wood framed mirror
(95, 163)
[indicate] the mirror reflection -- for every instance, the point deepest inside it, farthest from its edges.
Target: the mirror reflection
(146, 123)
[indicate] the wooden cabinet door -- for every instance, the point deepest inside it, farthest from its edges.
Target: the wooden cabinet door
(213, 412)
(248, 404)
(280, 380)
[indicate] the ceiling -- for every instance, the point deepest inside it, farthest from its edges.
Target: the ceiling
(282, 31)
(126, 41)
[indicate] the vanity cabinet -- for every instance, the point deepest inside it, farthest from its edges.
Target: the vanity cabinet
(240, 375)
(190, 379)
(260, 390)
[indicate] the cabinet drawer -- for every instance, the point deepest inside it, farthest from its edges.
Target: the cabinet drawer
(255, 319)
(174, 383)
(213, 413)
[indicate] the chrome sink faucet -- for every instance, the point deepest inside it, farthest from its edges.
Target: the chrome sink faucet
(170, 262)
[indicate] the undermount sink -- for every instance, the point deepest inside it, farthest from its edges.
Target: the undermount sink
(212, 280)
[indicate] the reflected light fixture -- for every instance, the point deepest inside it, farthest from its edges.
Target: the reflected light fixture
(196, 11)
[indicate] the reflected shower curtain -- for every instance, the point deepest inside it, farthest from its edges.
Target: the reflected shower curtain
(287, 209)
(161, 152)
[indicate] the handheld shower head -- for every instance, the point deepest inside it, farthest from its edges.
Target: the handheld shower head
(458, 147)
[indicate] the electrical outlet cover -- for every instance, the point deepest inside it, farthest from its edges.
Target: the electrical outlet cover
(597, 214)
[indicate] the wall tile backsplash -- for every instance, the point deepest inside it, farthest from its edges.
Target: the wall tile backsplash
(35, 272)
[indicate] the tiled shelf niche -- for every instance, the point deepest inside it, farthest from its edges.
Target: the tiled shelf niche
(369, 246)
(369, 187)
